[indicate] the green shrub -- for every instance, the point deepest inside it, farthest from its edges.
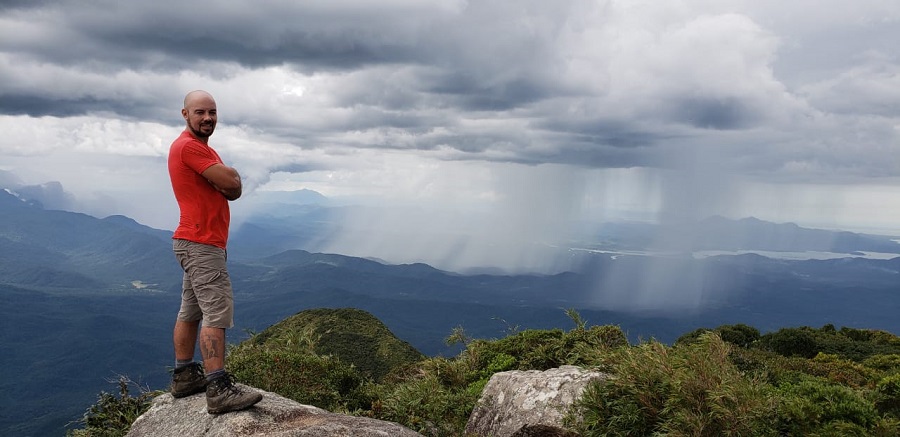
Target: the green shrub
(533, 349)
(848, 343)
(817, 407)
(714, 398)
(844, 371)
(692, 389)
(776, 369)
(884, 362)
(351, 335)
(424, 405)
(112, 416)
(888, 395)
(791, 342)
(434, 397)
(323, 381)
(546, 349)
(632, 402)
(739, 335)
(691, 337)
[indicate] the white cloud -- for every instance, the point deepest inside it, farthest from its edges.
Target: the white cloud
(873, 86)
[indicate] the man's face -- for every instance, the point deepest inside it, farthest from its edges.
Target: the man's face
(200, 115)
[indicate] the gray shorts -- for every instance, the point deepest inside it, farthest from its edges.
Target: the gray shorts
(206, 292)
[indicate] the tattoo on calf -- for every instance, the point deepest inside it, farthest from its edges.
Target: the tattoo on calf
(210, 347)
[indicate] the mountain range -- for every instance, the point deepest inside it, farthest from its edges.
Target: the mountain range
(86, 299)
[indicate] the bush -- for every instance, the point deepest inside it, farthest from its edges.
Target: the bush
(546, 349)
(112, 416)
(299, 374)
(848, 343)
(843, 371)
(817, 407)
(632, 402)
(776, 369)
(692, 389)
(351, 335)
(888, 395)
(740, 335)
(888, 362)
(425, 405)
(791, 342)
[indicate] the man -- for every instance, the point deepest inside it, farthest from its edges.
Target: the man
(203, 185)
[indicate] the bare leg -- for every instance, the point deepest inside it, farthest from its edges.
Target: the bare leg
(185, 339)
(212, 347)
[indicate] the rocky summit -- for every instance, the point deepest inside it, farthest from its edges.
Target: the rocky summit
(274, 416)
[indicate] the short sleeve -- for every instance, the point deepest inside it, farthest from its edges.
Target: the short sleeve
(197, 157)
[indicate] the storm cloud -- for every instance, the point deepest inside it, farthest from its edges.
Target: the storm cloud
(595, 108)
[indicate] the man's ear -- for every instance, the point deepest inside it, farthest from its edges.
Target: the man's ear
(184, 113)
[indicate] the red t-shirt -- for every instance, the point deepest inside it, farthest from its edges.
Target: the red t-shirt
(204, 214)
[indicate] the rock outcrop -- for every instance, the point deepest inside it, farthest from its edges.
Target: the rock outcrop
(274, 416)
(513, 404)
(528, 403)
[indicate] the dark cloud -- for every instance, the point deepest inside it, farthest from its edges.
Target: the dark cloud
(39, 106)
(602, 132)
(162, 35)
(304, 51)
(571, 82)
(43, 105)
(472, 93)
(725, 113)
(23, 4)
(298, 168)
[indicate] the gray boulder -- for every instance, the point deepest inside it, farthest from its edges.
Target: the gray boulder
(274, 416)
(528, 403)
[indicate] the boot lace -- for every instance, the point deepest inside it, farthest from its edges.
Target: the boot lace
(226, 383)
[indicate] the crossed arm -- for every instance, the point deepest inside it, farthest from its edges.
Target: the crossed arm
(224, 179)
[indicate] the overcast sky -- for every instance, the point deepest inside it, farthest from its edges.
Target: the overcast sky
(533, 113)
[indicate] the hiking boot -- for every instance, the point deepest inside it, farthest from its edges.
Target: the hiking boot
(223, 396)
(188, 380)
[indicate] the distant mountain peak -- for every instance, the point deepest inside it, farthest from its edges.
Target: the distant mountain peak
(11, 197)
(11, 192)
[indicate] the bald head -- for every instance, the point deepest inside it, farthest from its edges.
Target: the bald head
(193, 96)
(200, 114)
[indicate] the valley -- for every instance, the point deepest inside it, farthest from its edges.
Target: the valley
(79, 310)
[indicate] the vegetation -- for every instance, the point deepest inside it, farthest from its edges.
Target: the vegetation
(351, 335)
(727, 381)
(112, 416)
(321, 357)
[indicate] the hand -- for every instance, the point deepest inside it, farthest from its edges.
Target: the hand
(232, 194)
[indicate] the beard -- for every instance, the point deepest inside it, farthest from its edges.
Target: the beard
(199, 133)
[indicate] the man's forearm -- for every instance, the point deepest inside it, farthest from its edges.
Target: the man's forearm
(234, 187)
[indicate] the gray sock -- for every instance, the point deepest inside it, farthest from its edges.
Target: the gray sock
(215, 374)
